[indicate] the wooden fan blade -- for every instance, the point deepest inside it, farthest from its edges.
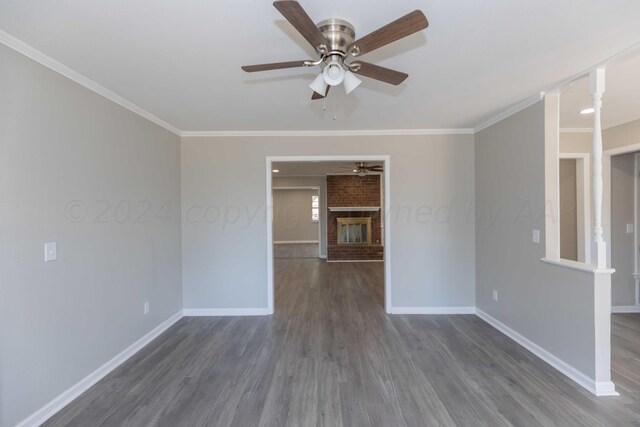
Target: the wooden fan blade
(316, 95)
(375, 168)
(295, 14)
(402, 27)
(377, 72)
(272, 66)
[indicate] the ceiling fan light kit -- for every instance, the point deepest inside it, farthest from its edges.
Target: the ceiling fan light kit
(350, 82)
(318, 85)
(333, 73)
(334, 40)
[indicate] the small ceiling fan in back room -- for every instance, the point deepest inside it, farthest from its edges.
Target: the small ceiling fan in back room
(362, 169)
(334, 41)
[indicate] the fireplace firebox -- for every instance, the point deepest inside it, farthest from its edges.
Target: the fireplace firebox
(354, 231)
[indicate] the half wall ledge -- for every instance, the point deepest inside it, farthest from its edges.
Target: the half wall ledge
(575, 265)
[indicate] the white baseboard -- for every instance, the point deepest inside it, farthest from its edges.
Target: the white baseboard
(433, 310)
(599, 389)
(605, 388)
(289, 242)
(323, 256)
(355, 260)
(188, 312)
(51, 408)
(625, 309)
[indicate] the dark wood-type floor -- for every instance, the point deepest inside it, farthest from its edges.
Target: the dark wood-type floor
(330, 356)
(625, 357)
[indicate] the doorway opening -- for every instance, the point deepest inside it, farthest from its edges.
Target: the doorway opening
(575, 207)
(340, 199)
(296, 220)
(622, 168)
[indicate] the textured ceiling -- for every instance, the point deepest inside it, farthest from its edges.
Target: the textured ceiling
(180, 60)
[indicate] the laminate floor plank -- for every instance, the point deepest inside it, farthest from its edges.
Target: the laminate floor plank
(296, 250)
(331, 357)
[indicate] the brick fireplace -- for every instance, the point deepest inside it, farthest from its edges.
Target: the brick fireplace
(352, 197)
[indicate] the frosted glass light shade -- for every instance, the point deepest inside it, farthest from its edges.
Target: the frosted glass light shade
(350, 82)
(333, 73)
(318, 85)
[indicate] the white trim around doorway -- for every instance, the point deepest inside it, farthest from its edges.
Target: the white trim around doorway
(386, 160)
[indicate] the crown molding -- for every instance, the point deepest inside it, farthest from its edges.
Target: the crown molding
(36, 55)
(576, 130)
(510, 111)
(624, 53)
(262, 133)
(43, 59)
(556, 87)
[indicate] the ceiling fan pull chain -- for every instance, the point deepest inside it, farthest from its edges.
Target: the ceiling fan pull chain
(324, 104)
(333, 96)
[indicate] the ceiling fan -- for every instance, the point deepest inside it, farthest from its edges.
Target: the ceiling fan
(362, 169)
(334, 40)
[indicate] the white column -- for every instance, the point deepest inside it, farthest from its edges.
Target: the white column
(602, 322)
(596, 85)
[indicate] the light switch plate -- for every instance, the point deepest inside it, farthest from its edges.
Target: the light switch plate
(536, 236)
(495, 295)
(630, 228)
(50, 251)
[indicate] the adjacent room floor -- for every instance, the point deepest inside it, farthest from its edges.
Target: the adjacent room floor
(295, 250)
(625, 360)
(330, 356)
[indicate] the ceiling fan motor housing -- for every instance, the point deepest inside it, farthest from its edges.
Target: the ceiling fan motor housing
(339, 34)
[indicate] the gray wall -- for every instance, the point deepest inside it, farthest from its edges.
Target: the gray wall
(432, 235)
(292, 216)
(549, 305)
(310, 181)
(622, 135)
(568, 210)
(575, 142)
(61, 143)
(622, 243)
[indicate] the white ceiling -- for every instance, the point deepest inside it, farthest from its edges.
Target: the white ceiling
(180, 60)
(620, 103)
(315, 168)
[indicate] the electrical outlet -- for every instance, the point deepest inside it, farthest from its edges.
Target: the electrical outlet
(495, 295)
(50, 251)
(536, 236)
(630, 228)
(146, 307)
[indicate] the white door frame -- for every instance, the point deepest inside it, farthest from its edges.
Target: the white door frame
(386, 161)
(636, 223)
